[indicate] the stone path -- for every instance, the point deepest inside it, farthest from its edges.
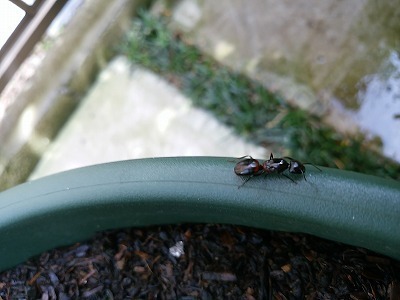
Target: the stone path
(132, 113)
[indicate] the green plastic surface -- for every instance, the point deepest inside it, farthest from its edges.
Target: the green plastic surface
(71, 206)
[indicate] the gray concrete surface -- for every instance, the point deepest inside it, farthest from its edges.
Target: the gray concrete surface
(132, 113)
(337, 59)
(311, 52)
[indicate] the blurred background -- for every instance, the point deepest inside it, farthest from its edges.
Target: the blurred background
(92, 81)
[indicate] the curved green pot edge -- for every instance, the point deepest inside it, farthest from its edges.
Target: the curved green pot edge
(71, 206)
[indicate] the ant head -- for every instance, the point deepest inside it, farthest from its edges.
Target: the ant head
(296, 167)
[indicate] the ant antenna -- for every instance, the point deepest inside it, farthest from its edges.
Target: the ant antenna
(237, 158)
(289, 177)
(307, 163)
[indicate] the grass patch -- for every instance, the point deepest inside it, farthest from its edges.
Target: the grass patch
(246, 105)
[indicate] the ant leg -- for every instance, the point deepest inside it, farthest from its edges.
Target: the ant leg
(244, 182)
(289, 178)
(238, 158)
(244, 157)
(260, 172)
(313, 166)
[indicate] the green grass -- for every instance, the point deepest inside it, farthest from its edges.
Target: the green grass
(244, 104)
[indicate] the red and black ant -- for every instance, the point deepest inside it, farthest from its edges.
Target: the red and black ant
(253, 167)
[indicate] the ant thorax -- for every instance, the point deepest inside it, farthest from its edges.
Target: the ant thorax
(275, 165)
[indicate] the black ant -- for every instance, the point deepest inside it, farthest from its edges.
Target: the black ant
(253, 167)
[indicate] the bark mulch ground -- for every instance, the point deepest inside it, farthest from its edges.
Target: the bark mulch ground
(204, 262)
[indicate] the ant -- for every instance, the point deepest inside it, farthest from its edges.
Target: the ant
(253, 167)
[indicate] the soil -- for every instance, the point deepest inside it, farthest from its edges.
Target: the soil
(198, 261)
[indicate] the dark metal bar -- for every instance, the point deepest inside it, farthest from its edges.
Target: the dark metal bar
(37, 3)
(22, 5)
(30, 13)
(14, 36)
(27, 34)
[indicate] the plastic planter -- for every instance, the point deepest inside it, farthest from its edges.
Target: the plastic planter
(348, 207)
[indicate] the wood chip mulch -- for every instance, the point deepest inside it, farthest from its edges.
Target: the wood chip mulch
(198, 261)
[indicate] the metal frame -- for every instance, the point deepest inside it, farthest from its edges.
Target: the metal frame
(29, 31)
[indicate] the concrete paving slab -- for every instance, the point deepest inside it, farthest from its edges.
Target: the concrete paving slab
(335, 59)
(132, 113)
